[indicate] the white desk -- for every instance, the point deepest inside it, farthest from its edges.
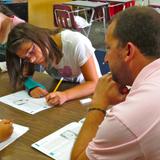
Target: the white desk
(117, 1)
(92, 6)
(154, 4)
(87, 4)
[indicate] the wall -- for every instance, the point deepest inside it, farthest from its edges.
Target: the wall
(40, 12)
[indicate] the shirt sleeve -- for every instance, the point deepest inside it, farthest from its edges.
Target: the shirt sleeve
(31, 84)
(113, 141)
(83, 51)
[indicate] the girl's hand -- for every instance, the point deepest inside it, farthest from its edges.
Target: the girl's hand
(38, 92)
(56, 98)
(6, 129)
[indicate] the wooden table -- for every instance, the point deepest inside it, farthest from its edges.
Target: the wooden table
(40, 124)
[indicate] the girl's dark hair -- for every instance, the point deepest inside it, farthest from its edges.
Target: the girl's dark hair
(25, 32)
(5, 10)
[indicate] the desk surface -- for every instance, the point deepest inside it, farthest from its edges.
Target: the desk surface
(89, 4)
(40, 124)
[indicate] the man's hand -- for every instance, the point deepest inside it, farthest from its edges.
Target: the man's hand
(6, 129)
(107, 93)
(38, 92)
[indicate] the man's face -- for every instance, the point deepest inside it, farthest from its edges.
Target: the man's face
(115, 57)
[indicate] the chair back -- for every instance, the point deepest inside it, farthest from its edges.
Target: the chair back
(63, 16)
(100, 54)
(115, 8)
(130, 4)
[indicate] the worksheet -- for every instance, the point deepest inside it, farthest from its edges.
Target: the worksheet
(58, 145)
(22, 101)
(18, 131)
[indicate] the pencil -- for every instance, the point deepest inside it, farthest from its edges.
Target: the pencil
(60, 81)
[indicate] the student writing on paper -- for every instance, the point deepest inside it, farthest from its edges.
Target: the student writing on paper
(6, 129)
(131, 129)
(63, 53)
(7, 21)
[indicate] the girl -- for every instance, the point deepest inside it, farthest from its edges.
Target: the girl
(64, 54)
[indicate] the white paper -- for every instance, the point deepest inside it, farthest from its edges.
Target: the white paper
(22, 101)
(86, 101)
(58, 145)
(18, 131)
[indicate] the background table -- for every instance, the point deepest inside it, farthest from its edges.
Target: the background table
(117, 1)
(92, 6)
(40, 124)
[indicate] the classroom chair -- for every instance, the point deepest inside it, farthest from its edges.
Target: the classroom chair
(65, 17)
(100, 54)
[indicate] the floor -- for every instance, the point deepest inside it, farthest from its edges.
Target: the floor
(97, 35)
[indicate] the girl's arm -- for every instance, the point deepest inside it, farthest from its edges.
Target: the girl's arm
(34, 88)
(30, 84)
(91, 77)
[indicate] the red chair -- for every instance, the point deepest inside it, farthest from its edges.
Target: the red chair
(114, 8)
(130, 4)
(65, 17)
(117, 7)
(98, 12)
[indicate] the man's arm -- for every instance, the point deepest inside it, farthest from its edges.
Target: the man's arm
(106, 93)
(88, 131)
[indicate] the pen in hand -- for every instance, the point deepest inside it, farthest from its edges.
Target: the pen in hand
(50, 98)
(60, 81)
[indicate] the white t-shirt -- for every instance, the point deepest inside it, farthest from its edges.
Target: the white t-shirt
(76, 49)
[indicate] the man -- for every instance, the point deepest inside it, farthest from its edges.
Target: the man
(131, 130)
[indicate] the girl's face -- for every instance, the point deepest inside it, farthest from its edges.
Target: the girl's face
(32, 53)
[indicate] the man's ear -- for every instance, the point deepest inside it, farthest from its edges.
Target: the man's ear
(130, 52)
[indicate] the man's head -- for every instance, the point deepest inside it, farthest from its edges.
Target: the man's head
(133, 41)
